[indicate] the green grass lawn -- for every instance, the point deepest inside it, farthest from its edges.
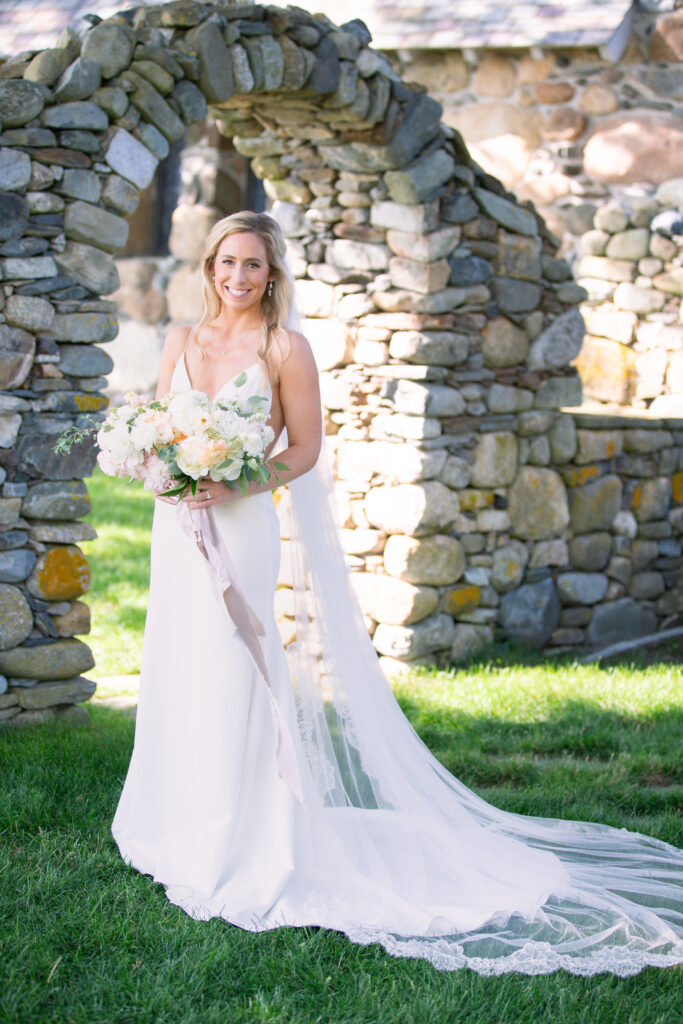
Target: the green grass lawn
(86, 940)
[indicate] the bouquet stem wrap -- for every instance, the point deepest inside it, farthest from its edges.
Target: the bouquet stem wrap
(200, 526)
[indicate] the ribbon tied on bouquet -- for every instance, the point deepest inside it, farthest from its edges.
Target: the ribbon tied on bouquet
(200, 526)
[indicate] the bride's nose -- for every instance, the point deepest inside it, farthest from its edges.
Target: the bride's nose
(238, 272)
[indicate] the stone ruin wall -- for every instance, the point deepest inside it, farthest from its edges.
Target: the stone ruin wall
(442, 321)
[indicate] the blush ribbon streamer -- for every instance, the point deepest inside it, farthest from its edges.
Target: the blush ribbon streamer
(200, 526)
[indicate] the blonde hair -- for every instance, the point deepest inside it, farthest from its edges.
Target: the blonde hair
(276, 302)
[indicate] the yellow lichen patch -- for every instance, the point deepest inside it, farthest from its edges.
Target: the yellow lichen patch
(462, 599)
(89, 403)
(62, 574)
(578, 477)
(637, 497)
(472, 500)
(610, 449)
(677, 487)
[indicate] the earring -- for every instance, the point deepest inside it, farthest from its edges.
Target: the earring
(269, 289)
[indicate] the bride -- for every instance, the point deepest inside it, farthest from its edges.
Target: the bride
(273, 789)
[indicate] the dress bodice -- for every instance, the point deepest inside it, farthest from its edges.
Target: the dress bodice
(248, 383)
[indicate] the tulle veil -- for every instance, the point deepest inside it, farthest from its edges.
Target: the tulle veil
(449, 877)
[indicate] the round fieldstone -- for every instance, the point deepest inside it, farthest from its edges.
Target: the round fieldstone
(14, 213)
(79, 81)
(636, 146)
(437, 560)
(20, 101)
(562, 437)
(509, 563)
(16, 564)
(386, 599)
(415, 509)
(646, 586)
(29, 312)
(61, 573)
(651, 499)
(469, 641)
(595, 506)
(406, 642)
(84, 361)
(495, 460)
(559, 343)
(66, 499)
(538, 504)
(590, 552)
(16, 356)
(59, 660)
(110, 45)
(75, 621)
(16, 618)
(531, 613)
(503, 343)
(57, 691)
(581, 587)
(623, 619)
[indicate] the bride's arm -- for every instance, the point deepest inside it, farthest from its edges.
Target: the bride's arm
(299, 392)
(174, 343)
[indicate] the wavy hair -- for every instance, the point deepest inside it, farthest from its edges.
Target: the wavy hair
(276, 306)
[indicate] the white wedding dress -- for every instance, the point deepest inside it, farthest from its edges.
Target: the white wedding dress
(386, 846)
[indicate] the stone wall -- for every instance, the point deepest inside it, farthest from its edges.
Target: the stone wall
(633, 350)
(442, 320)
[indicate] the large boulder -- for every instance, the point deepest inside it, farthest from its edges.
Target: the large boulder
(530, 614)
(637, 146)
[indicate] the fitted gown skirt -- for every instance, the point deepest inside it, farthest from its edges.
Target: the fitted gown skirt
(203, 809)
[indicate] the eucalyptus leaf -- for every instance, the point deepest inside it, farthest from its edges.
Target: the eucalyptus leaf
(280, 465)
(240, 379)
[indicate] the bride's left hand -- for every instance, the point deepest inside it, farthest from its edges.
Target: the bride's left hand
(211, 492)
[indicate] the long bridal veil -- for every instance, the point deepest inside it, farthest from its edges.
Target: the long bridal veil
(449, 877)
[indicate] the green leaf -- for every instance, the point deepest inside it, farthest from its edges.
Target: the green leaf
(240, 380)
(280, 465)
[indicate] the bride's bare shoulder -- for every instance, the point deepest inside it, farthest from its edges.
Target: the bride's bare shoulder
(176, 339)
(295, 348)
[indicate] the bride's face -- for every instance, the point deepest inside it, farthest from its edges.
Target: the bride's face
(241, 271)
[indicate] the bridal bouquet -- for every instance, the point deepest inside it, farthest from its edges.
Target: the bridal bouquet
(172, 442)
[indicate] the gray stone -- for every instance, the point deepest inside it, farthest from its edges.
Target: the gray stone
(503, 343)
(61, 691)
(84, 222)
(153, 107)
(420, 124)
(14, 211)
(47, 66)
(559, 392)
(114, 101)
(61, 533)
(531, 613)
(415, 509)
(36, 455)
(15, 169)
(470, 642)
(509, 563)
(435, 561)
(594, 507)
(424, 399)
(111, 45)
(80, 184)
(646, 586)
(20, 102)
(79, 81)
(581, 587)
(456, 472)
(538, 504)
(16, 618)
(495, 460)
(120, 194)
(44, 202)
(32, 267)
(638, 300)
(16, 565)
(559, 343)
(84, 361)
(620, 620)
(29, 312)
(518, 257)
(89, 267)
(324, 77)
(629, 245)
(459, 209)
(506, 213)
(425, 278)
(348, 254)
(440, 348)
(419, 218)
(590, 552)
(594, 243)
(85, 327)
(611, 219)
(191, 102)
(469, 270)
(9, 428)
(215, 65)
(432, 634)
(59, 660)
(416, 182)
(651, 499)
(390, 600)
(513, 296)
(67, 499)
(16, 356)
(81, 114)
(130, 158)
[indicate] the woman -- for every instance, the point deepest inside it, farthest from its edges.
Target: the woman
(274, 793)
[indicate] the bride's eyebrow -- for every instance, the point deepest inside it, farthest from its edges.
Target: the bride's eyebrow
(247, 259)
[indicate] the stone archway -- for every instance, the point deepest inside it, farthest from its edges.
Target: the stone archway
(439, 316)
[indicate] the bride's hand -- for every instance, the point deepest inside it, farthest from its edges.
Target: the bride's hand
(210, 492)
